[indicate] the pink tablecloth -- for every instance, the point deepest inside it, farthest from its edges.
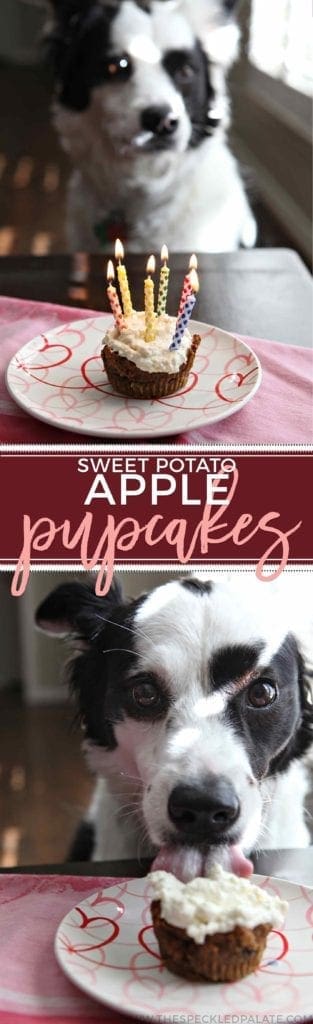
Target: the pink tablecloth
(280, 412)
(32, 986)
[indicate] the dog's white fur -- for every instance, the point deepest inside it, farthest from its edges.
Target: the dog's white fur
(176, 633)
(193, 198)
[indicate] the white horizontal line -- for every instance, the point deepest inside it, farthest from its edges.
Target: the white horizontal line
(159, 563)
(153, 449)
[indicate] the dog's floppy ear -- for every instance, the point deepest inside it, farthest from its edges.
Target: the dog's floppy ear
(74, 608)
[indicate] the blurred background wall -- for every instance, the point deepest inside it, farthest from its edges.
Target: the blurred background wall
(271, 88)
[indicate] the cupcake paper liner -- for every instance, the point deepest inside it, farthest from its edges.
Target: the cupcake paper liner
(129, 380)
(224, 956)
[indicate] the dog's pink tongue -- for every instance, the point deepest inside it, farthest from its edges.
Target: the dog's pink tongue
(182, 861)
(186, 863)
(239, 864)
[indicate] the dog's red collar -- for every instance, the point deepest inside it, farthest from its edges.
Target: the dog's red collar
(107, 230)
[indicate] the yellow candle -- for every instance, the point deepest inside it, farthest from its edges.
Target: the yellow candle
(150, 324)
(163, 284)
(113, 298)
(123, 279)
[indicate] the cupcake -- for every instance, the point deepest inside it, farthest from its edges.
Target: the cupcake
(149, 354)
(139, 369)
(215, 928)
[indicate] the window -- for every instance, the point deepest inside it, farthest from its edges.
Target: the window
(281, 41)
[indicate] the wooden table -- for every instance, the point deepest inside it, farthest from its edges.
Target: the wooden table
(264, 293)
(294, 865)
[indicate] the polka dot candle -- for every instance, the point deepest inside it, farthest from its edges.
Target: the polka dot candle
(184, 316)
(187, 289)
(163, 284)
(113, 298)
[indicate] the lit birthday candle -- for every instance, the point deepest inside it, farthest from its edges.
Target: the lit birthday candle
(184, 316)
(113, 298)
(163, 284)
(193, 262)
(150, 324)
(123, 279)
(187, 289)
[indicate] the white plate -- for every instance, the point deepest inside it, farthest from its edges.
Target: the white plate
(59, 378)
(107, 947)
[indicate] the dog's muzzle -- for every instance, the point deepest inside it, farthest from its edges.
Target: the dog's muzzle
(203, 815)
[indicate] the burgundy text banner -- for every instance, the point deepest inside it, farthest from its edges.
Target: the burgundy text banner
(152, 507)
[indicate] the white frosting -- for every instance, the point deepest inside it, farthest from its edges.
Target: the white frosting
(205, 906)
(152, 356)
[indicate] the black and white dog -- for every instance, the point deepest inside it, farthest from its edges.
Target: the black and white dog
(197, 709)
(143, 111)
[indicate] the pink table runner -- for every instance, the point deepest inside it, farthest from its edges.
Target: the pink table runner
(280, 412)
(33, 987)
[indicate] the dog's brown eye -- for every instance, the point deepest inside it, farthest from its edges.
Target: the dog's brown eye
(145, 695)
(185, 74)
(262, 693)
(118, 67)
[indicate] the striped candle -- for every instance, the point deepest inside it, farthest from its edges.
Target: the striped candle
(163, 284)
(184, 317)
(123, 279)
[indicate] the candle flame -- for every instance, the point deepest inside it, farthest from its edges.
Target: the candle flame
(193, 262)
(194, 280)
(119, 250)
(164, 253)
(151, 265)
(110, 271)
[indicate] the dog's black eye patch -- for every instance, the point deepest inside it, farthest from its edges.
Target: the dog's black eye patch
(233, 662)
(145, 697)
(189, 70)
(277, 692)
(182, 66)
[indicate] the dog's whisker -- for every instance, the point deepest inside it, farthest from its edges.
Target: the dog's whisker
(120, 650)
(129, 807)
(128, 775)
(127, 814)
(121, 625)
(143, 840)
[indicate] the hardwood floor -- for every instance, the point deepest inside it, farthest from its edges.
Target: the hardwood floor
(33, 168)
(44, 785)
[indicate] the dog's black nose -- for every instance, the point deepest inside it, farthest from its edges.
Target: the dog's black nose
(205, 810)
(159, 119)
